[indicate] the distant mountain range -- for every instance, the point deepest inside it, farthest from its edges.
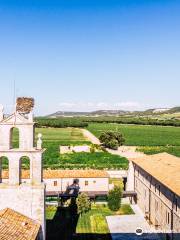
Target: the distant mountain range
(155, 111)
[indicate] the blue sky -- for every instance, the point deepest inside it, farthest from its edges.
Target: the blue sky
(88, 55)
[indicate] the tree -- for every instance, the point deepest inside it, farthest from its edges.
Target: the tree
(83, 203)
(114, 198)
(112, 139)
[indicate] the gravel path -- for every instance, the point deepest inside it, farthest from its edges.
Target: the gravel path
(90, 137)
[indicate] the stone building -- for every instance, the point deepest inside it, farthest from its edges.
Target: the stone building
(156, 180)
(90, 181)
(25, 198)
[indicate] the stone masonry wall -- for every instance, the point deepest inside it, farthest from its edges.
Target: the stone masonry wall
(157, 201)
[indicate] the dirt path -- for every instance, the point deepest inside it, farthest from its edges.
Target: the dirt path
(127, 151)
(123, 151)
(90, 137)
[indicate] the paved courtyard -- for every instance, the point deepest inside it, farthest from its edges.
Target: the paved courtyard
(124, 227)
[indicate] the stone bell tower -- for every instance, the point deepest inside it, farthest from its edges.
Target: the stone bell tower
(26, 197)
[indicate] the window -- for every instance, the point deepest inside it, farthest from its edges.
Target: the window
(136, 183)
(86, 183)
(155, 187)
(167, 217)
(144, 193)
(55, 183)
(156, 205)
(159, 189)
(94, 181)
(24, 165)
(176, 204)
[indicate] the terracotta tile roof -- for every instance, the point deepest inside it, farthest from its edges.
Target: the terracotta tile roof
(65, 174)
(164, 167)
(15, 226)
(75, 174)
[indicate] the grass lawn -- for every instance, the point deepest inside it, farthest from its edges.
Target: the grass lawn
(94, 221)
(141, 135)
(90, 226)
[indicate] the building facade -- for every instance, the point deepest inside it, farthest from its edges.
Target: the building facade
(59, 180)
(88, 180)
(26, 198)
(156, 180)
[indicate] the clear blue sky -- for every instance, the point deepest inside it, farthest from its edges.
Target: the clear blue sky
(90, 54)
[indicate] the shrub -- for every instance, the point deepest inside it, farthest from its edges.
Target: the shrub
(83, 203)
(112, 139)
(114, 199)
(113, 144)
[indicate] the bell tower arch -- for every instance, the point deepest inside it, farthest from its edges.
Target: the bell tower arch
(27, 198)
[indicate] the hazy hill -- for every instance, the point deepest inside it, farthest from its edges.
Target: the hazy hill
(148, 112)
(93, 113)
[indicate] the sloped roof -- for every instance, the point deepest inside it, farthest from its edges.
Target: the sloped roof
(48, 174)
(16, 118)
(15, 226)
(74, 174)
(164, 167)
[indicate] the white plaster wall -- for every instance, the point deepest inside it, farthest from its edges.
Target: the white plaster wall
(130, 177)
(118, 173)
(5, 137)
(94, 184)
(26, 136)
(14, 157)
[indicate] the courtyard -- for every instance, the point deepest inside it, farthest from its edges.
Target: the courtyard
(64, 223)
(124, 227)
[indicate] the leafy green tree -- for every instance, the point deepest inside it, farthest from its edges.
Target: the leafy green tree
(113, 144)
(112, 139)
(83, 203)
(114, 198)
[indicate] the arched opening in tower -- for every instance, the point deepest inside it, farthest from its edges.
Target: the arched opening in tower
(24, 169)
(14, 138)
(4, 169)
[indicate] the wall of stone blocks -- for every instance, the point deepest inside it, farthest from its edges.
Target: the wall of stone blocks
(154, 197)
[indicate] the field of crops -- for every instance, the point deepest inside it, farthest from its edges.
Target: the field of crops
(54, 137)
(97, 160)
(174, 150)
(64, 136)
(136, 135)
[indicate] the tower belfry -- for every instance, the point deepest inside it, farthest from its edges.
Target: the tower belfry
(26, 197)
